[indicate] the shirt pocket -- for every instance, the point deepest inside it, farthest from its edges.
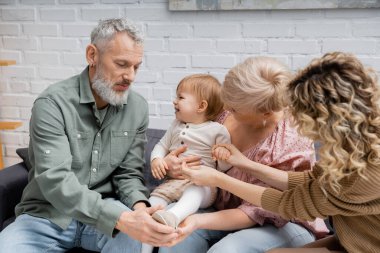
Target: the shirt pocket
(121, 142)
(80, 145)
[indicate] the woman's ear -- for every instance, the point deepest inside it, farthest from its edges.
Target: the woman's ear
(91, 55)
(266, 116)
(202, 106)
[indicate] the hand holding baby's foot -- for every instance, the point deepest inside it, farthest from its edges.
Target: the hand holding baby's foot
(166, 218)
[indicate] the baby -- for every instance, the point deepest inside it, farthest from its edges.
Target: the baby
(197, 104)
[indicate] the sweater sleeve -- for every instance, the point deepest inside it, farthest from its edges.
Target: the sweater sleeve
(298, 178)
(301, 202)
(308, 201)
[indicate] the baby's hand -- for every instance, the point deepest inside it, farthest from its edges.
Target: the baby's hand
(220, 153)
(159, 168)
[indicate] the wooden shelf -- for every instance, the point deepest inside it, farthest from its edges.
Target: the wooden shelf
(7, 62)
(9, 125)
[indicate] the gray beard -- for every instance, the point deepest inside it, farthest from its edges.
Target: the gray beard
(104, 90)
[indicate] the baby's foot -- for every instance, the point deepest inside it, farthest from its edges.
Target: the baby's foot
(166, 218)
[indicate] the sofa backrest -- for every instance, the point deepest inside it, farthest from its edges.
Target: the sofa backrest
(153, 136)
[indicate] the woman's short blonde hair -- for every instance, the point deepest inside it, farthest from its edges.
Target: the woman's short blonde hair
(335, 100)
(205, 87)
(256, 85)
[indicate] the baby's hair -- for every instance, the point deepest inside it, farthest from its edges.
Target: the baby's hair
(256, 85)
(205, 87)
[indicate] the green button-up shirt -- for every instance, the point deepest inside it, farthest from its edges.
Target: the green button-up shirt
(77, 160)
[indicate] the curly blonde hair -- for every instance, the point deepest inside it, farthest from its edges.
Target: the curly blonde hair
(335, 101)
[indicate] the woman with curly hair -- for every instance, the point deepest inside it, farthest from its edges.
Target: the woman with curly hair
(334, 101)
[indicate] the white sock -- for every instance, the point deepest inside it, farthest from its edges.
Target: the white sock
(154, 201)
(192, 198)
(146, 248)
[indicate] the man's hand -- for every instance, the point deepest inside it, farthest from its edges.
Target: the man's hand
(174, 163)
(141, 226)
(159, 168)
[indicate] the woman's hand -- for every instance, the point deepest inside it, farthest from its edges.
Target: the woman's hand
(201, 175)
(187, 227)
(229, 153)
(174, 162)
(271, 176)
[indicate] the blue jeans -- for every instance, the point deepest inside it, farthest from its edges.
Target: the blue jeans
(253, 240)
(32, 234)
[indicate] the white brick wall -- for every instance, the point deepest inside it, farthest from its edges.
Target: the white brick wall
(48, 38)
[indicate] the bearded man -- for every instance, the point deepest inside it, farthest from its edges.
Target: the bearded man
(87, 140)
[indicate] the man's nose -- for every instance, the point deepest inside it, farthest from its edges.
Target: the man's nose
(129, 74)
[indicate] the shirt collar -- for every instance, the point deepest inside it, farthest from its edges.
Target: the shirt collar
(191, 125)
(85, 93)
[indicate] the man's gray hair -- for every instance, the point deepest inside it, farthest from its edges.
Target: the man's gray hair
(106, 30)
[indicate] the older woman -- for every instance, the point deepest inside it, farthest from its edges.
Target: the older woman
(253, 93)
(334, 100)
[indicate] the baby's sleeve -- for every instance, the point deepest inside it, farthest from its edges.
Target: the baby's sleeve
(162, 148)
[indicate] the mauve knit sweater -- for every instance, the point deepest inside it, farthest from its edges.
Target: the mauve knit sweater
(355, 210)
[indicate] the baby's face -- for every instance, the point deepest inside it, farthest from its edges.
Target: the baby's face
(186, 106)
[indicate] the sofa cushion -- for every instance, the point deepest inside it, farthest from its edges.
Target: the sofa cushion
(13, 180)
(153, 136)
(23, 154)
